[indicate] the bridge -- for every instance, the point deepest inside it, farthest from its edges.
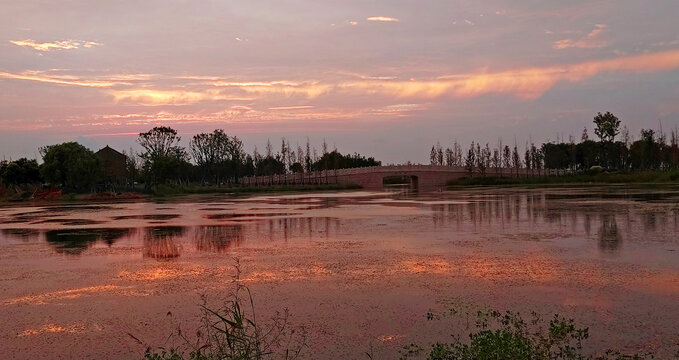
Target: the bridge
(424, 176)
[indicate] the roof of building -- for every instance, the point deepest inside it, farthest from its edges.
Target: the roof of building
(110, 149)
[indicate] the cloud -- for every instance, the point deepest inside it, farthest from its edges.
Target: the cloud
(309, 89)
(73, 80)
(592, 40)
(296, 107)
(383, 19)
(168, 97)
(56, 45)
(523, 83)
(54, 79)
(526, 83)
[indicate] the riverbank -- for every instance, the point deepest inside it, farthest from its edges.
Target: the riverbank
(643, 177)
(170, 190)
(163, 191)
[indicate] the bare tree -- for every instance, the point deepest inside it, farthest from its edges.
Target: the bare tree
(497, 162)
(432, 155)
(470, 160)
(516, 159)
(269, 149)
(507, 157)
(439, 154)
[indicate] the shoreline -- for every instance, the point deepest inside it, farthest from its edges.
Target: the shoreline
(645, 178)
(167, 192)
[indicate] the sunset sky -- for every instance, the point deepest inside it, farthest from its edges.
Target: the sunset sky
(384, 77)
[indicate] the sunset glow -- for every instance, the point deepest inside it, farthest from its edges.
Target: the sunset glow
(349, 73)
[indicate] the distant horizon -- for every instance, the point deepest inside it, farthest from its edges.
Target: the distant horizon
(276, 143)
(384, 79)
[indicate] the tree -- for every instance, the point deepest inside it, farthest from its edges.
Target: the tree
(211, 151)
(645, 152)
(449, 157)
(457, 154)
(300, 156)
(269, 165)
(470, 160)
(497, 162)
(516, 159)
(70, 165)
(433, 155)
(307, 157)
(526, 157)
(164, 159)
(19, 172)
(507, 157)
(133, 166)
(284, 153)
(607, 128)
(296, 168)
(269, 148)
(340, 161)
(159, 141)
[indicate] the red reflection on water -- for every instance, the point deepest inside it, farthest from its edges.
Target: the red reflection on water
(59, 295)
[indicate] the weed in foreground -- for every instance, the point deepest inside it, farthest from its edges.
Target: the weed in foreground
(508, 336)
(233, 332)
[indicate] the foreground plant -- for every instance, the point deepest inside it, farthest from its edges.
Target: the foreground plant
(508, 336)
(232, 332)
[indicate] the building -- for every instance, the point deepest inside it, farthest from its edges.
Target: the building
(113, 165)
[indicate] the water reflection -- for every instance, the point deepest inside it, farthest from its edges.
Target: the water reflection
(160, 242)
(24, 235)
(75, 241)
(218, 238)
(575, 215)
(609, 237)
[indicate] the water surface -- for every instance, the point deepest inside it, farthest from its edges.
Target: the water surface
(356, 269)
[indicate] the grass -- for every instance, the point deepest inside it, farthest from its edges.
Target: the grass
(232, 332)
(169, 190)
(508, 336)
(639, 177)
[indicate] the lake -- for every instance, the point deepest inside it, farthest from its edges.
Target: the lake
(358, 271)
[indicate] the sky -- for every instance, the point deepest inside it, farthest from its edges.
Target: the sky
(385, 78)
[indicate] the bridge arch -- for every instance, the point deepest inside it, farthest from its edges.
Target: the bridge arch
(400, 179)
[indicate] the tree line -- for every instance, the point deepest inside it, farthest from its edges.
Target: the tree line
(616, 149)
(211, 158)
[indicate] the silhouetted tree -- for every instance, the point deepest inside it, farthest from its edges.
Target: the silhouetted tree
(340, 161)
(470, 160)
(607, 128)
(164, 159)
(70, 165)
(433, 155)
(19, 172)
(507, 157)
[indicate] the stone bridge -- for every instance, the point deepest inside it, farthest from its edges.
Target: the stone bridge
(424, 176)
